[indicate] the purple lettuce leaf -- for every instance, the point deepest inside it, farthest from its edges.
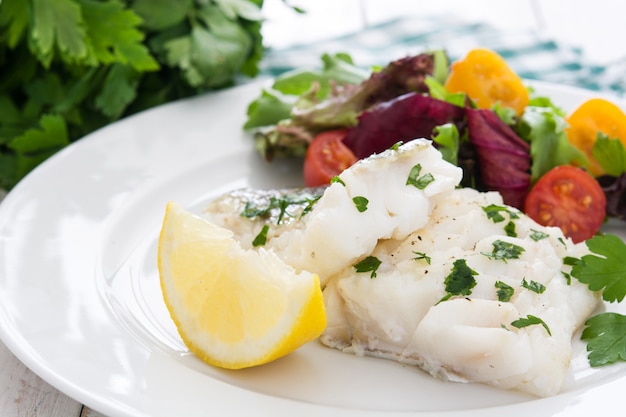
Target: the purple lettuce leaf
(503, 158)
(615, 191)
(404, 118)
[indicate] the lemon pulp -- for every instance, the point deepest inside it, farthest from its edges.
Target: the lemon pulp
(234, 308)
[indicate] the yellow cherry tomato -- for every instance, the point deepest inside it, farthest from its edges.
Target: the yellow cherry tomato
(487, 79)
(591, 117)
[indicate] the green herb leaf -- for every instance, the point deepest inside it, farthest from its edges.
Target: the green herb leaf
(37, 144)
(538, 235)
(570, 260)
(161, 14)
(310, 204)
(91, 62)
(461, 279)
(420, 256)
(14, 16)
(58, 25)
(504, 292)
(119, 90)
(510, 229)
(337, 179)
(606, 338)
(530, 320)
(568, 277)
(261, 238)
(240, 8)
(504, 250)
(605, 269)
(371, 263)
(114, 35)
(494, 212)
(360, 203)
(610, 153)
(396, 146)
(418, 181)
(279, 207)
(533, 286)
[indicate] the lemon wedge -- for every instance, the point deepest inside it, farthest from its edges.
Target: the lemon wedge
(233, 307)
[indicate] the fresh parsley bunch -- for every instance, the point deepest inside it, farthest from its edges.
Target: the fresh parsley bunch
(69, 67)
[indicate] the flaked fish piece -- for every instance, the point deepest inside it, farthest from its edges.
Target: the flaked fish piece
(418, 271)
(372, 200)
(510, 324)
(247, 211)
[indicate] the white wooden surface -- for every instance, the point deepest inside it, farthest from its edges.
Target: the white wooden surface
(596, 26)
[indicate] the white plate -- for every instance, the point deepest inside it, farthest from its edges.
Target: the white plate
(81, 306)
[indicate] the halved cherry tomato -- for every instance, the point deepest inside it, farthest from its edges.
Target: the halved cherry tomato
(570, 198)
(326, 157)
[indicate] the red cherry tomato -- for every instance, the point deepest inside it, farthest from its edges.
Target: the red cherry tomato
(570, 198)
(326, 157)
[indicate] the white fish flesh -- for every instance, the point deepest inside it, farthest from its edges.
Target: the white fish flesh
(421, 272)
(335, 233)
(400, 314)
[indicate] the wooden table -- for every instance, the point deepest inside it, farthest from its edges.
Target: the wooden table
(598, 30)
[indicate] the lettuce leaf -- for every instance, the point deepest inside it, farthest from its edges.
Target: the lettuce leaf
(503, 158)
(333, 99)
(544, 128)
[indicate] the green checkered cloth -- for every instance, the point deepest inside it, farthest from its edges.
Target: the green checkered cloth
(531, 55)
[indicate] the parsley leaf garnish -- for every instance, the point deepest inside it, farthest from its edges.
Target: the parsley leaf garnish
(606, 338)
(505, 291)
(504, 250)
(604, 269)
(310, 203)
(460, 281)
(371, 263)
(568, 277)
(338, 180)
(570, 260)
(610, 153)
(396, 146)
(509, 229)
(494, 212)
(530, 320)
(538, 235)
(261, 238)
(418, 181)
(360, 203)
(421, 255)
(255, 210)
(534, 286)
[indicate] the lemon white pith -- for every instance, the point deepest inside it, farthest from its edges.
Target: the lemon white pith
(233, 307)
